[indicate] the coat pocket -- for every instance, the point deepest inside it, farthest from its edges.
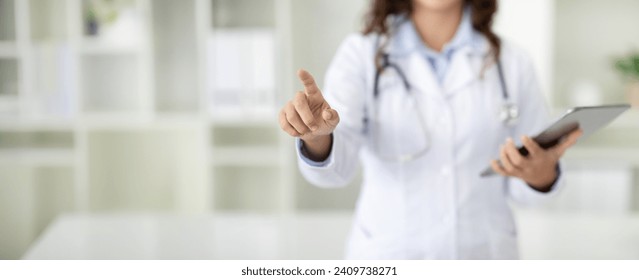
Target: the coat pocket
(366, 245)
(503, 241)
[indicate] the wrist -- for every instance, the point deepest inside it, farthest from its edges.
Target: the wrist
(317, 148)
(315, 139)
(545, 182)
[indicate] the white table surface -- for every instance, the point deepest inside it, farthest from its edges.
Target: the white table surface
(173, 236)
(308, 236)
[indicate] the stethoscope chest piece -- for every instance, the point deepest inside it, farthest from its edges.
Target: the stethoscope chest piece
(509, 114)
(509, 111)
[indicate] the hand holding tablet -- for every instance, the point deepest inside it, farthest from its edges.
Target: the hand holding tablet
(588, 119)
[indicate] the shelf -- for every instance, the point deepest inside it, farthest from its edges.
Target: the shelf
(246, 136)
(123, 33)
(109, 119)
(99, 122)
(52, 82)
(309, 198)
(38, 148)
(97, 48)
(8, 50)
(176, 61)
(241, 72)
(48, 20)
(143, 169)
(37, 157)
(9, 107)
(243, 13)
(111, 84)
(40, 125)
(247, 189)
(9, 77)
(135, 122)
(23, 136)
(7, 20)
(247, 156)
(237, 116)
(179, 117)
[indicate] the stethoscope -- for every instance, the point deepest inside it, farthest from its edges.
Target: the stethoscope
(508, 113)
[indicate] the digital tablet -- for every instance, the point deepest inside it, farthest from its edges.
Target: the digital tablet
(589, 119)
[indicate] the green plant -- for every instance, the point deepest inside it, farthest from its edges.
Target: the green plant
(628, 66)
(106, 11)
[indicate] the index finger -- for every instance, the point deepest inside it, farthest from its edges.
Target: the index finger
(532, 146)
(309, 82)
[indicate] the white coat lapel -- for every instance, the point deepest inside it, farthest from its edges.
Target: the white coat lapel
(461, 71)
(420, 75)
(404, 50)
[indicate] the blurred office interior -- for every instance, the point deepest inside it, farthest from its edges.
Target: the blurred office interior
(148, 128)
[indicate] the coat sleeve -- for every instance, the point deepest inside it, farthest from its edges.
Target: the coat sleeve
(533, 119)
(344, 89)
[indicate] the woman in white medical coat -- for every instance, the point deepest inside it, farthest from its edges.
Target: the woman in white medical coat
(418, 99)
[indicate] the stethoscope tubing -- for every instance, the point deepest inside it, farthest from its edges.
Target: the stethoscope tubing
(508, 114)
(387, 64)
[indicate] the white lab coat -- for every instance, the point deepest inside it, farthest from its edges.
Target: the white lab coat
(435, 207)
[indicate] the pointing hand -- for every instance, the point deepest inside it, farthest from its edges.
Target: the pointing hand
(308, 115)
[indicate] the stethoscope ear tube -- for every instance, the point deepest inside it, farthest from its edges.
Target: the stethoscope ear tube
(502, 81)
(387, 64)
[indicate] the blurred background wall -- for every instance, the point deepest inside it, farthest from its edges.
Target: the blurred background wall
(139, 109)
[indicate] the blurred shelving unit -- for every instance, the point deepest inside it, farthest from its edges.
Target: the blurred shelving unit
(55, 80)
(9, 102)
(37, 148)
(171, 106)
(246, 154)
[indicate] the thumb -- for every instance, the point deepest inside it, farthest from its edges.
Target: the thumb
(568, 142)
(331, 117)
